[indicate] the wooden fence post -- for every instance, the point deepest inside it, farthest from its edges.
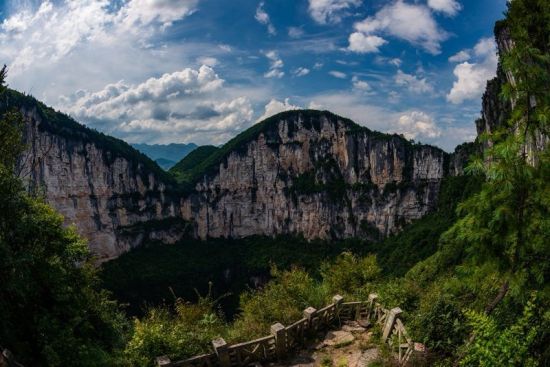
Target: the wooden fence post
(337, 300)
(279, 332)
(220, 347)
(390, 321)
(372, 304)
(163, 361)
(308, 314)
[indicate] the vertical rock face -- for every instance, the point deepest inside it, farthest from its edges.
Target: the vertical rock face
(495, 109)
(315, 174)
(98, 191)
(308, 173)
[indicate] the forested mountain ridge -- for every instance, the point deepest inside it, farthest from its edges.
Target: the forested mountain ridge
(308, 173)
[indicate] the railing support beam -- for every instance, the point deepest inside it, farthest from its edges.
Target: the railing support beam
(390, 322)
(220, 347)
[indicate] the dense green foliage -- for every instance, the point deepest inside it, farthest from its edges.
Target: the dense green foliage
(179, 332)
(418, 240)
(53, 312)
(184, 168)
(231, 265)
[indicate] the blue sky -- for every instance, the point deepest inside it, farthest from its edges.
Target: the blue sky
(162, 71)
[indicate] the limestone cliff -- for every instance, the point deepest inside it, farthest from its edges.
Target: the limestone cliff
(318, 175)
(97, 183)
(307, 173)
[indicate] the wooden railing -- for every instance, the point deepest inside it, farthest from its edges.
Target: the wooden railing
(284, 340)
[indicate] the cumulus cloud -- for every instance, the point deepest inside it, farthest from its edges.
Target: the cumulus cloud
(274, 107)
(360, 85)
(460, 56)
(176, 105)
(338, 74)
(263, 18)
(413, 83)
(471, 77)
(53, 31)
(146, 12)
(416, 124)
(413, 23)
(275, 65)
(448, 7)
(331, 11)
(301, 71)
(361, 43)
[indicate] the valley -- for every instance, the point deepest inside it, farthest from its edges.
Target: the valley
(289, 234)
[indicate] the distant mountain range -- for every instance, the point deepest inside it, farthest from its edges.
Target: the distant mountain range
(166, 155)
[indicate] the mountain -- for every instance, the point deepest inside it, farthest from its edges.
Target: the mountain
(184, 169)
(99, 183)
(308, 173)
(164, 163)
(168, 152)
(315, 174)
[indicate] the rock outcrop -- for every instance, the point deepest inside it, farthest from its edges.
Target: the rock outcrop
(100, 190)
(316, 174)
(307, 173)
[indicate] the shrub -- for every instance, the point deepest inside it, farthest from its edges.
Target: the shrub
(179, 332)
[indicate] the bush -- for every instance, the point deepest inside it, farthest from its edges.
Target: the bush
(282, 300)
(179, 332)
(348, 274)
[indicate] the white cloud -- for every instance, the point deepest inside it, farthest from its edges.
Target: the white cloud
(361, 43)
(187, 105)
(53, 32)
(471, 78)
(263, 18)
(146, 12)
(275, 66)
(301, 71)
(318, 66)
(413, 23)
(395, 62)
(360, 84)
(413, 83)
(338, 74)
(295, 32)
(460, 56)
(448, 7)
(416, 124)
(274, 107)
(208, 61)
(331, 11)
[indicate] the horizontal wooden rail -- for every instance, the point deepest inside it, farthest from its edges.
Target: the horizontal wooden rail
(284, 340)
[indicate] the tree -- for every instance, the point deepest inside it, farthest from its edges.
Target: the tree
(52, 312)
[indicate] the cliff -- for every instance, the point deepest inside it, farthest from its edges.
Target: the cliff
(308, 173)
(98, 183)
(314, 174)
(496, 110)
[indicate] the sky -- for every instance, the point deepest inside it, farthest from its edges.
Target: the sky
(201, 71)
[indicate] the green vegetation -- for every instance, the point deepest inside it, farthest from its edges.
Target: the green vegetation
(472, 278)
(184, 168)
(230, 265)
(53, 312)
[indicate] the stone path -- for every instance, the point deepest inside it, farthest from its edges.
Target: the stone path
(350, 346)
